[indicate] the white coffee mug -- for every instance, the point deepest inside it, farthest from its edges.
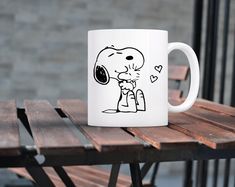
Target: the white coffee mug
(128, 77)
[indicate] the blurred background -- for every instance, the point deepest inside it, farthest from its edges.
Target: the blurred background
(44, 43)
(43, 47)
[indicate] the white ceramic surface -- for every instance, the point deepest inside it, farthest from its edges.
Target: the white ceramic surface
(128, 77)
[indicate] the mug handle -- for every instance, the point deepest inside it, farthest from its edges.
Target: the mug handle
(194, 81)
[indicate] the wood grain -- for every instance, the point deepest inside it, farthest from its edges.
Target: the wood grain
(219, 119)
(216, 107)
(51, 134)
(205, 132)
(178, 72)
(103, 138)
(9, 129)
(97, 175)
(164, 137)
(88, 176)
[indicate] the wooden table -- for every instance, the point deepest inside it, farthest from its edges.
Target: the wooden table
(206, 131)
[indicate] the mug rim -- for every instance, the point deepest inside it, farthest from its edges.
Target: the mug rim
(100, 30)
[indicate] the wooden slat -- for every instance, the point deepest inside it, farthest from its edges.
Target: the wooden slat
(51, 134)
(203, 131)
(9, 129)
(219, 119)
(174, 94)
(164, 137)
(216, 107)
(97, 175)
(100, 172)
(177, 72)
(88, 176)
(104, 139)
(54, 177)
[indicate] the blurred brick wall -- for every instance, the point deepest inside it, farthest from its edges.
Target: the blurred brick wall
(43, 43)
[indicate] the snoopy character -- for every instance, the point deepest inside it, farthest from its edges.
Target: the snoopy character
(122, 65)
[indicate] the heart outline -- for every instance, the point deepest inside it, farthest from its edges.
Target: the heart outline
(158, 68)
(153, 78)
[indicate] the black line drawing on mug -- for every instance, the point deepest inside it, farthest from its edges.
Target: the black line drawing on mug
(153, 78)
(158, 68)
(122, 65)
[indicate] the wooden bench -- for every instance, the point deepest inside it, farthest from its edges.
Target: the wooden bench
(87, 176)
(206, 131)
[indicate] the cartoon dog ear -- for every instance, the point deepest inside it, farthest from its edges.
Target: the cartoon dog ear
(101, 75)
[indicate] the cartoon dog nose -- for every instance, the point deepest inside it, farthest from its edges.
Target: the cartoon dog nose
(129, 57)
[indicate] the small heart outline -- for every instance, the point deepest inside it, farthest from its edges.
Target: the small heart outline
(153, 78)
(158, 68)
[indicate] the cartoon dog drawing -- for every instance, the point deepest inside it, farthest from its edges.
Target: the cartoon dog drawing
(124, 66)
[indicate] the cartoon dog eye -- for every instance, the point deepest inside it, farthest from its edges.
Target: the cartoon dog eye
(129, 57)
(101, 75)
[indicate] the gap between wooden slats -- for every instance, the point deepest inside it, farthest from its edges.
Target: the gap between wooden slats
(177, 72)
(203, 131)
(9, 129)
(51, 134)
(103, 138)
(216, 107)
(213, 106)
(164, 137)
(219, 119)
(217, 114)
